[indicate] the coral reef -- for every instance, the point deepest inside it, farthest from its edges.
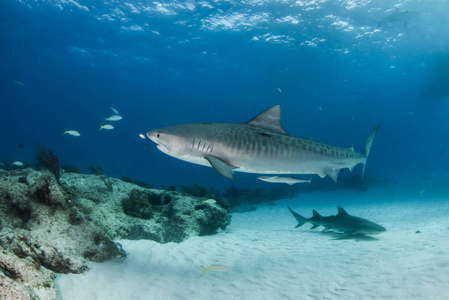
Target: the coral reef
(52, 226)
(21, 279)
(41, 226)
(128, 211)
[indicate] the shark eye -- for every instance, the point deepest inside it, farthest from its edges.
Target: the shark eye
(158, 135)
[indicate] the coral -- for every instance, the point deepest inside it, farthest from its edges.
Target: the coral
(46, 190)
(21, 279)
(132, 212)
(41, 226)
(142, 204)
(47, 160)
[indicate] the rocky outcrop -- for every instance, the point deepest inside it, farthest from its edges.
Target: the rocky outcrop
(48, 226)
(22, 279)
(128, 211)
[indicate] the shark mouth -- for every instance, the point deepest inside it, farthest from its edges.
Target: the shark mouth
(162, 148)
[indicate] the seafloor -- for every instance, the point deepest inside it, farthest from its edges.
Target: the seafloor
(269, 259)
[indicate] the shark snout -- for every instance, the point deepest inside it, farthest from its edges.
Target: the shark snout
(156, 137)
(373, 229)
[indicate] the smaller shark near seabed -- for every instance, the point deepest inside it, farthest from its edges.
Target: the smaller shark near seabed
(342, 223)
(280, 179)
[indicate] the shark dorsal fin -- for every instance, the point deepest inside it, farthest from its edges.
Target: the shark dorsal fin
(341, 211)
(316, 214)
(269, 119)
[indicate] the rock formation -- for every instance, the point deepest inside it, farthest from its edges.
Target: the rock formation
(49, 226)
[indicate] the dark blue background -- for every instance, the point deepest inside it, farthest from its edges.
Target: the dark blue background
(77, 59)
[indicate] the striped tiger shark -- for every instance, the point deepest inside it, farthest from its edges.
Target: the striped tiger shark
(258, 146)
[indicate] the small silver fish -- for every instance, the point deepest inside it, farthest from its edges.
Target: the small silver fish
(107, 126)
(17, 163)
(72, 132)
(114, 110)
(113, 118)
(19, 82)
(280, 179)
(142, 136)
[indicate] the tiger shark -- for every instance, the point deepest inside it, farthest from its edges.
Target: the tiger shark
(343, 223)
(258, 146)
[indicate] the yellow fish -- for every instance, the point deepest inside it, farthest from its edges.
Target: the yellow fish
(114, 110)
(217, 268)
(107, 126)
(72, 132)
(209, 201)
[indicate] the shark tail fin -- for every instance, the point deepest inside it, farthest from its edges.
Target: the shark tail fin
(368, 145)
(301, 220)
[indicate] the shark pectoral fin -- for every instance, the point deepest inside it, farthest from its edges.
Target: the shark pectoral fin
(333, 173)
(221, 166)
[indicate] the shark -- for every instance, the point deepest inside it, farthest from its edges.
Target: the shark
(259, 146)
(288, 180)
(349, 226)
(398, 16)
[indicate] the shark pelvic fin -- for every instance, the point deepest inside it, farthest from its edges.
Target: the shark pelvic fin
(333, 173)
(269, 119)
(221, 166)
(314, 226)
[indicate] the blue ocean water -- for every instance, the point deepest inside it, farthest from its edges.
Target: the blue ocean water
(333, 69)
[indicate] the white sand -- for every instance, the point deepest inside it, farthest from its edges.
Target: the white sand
(269, 259)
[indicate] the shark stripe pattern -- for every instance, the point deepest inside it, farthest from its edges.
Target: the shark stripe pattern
(258, 146)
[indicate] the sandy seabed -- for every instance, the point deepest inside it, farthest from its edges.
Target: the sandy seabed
(269, 259)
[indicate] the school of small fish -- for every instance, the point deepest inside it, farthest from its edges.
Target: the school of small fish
(115, 117)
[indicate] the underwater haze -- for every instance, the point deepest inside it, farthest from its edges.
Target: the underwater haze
(337, 68)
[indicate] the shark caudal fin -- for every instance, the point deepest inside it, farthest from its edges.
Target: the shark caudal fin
(301, 220)
(368, 145)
